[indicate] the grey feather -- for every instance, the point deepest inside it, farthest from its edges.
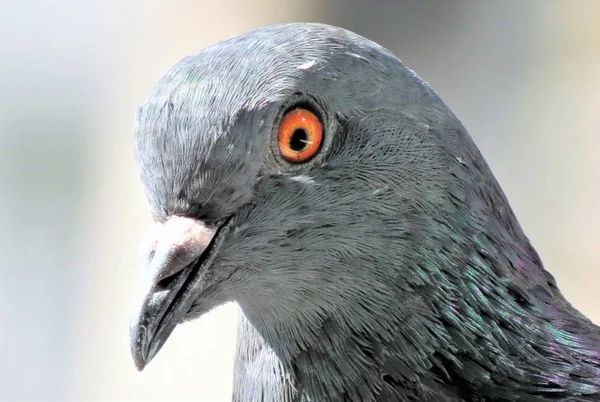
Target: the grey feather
(388, 268)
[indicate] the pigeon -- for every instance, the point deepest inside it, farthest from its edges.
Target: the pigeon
(306, 174)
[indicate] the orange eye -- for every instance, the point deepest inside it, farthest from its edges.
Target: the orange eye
(300, 135)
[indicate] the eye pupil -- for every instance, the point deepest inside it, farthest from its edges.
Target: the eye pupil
(298, 140)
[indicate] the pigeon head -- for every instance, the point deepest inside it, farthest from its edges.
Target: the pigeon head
(305, 173)
(297, 237)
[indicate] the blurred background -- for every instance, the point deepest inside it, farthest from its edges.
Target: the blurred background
(523, 76)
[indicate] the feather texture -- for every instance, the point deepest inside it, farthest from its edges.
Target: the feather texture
(388, 268)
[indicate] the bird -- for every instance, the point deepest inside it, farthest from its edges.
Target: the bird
(303, 172)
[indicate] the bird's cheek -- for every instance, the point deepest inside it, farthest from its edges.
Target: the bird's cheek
(219, 289)
(205, 302)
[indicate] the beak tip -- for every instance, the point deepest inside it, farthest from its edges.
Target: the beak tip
(143, 349)
(138, 359)
(141, 358)
(138, 347)
(140, 365)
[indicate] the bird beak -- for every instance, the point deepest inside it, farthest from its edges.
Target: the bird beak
(173, 261)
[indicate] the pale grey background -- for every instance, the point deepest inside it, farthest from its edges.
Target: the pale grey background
(523, 76)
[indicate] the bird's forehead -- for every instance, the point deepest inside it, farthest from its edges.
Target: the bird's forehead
(254, 69)
(243, 72)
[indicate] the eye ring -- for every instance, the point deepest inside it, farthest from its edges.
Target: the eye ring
(300, 135)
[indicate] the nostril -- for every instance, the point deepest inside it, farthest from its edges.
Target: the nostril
(177, 245)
